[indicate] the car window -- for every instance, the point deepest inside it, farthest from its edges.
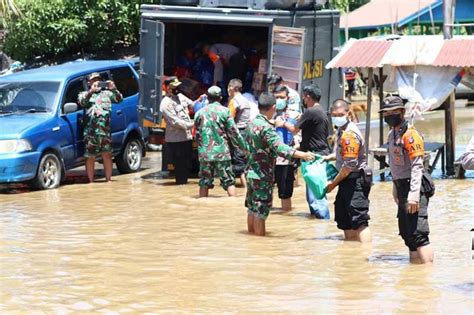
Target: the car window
(125, 81)
(72, 92)
(21, 96)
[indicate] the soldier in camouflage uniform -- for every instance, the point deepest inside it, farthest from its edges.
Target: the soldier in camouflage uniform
(264, 146)
(215, 128)
(97, 135)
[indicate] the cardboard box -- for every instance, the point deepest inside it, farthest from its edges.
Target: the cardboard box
(190, 88)
(259, 81)
(262, 66)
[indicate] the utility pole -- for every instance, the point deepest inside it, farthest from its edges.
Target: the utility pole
(449, 7)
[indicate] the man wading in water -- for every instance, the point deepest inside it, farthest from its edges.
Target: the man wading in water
(215, 129)
(264, 146)
(406, 152)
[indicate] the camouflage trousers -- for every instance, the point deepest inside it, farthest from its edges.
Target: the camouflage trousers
(97, 135)
(210, 169)
(259, 197)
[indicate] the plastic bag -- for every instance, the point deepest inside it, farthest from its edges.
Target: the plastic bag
(315, 176)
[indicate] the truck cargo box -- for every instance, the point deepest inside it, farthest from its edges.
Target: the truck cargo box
(294, 44)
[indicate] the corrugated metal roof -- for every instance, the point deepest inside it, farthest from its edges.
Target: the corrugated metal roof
(361, 53)
(386, 12)
(456, 53)
(406, 51)
(414, 50)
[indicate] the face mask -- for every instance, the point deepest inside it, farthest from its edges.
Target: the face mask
(280, 104)
(393, 120)
(174, 91)
(339, 121)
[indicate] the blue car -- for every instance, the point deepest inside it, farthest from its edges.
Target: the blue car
(41, 124)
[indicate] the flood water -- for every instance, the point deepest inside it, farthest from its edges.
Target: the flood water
(141, 244)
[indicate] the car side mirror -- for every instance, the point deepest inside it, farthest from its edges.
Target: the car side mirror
(69, 108)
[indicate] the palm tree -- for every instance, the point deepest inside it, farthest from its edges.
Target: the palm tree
(8, 8)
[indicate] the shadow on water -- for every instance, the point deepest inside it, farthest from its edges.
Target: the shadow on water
(163, 175)
(73, 177)
(334, 237)
(388, 258)
(464, 288)
(267, 234)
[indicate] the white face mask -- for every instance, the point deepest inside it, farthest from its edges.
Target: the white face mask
(339, 121)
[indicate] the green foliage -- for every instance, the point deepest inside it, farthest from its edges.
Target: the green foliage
(55, 27)
(353, 4)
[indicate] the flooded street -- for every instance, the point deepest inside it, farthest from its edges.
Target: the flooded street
(141, 244)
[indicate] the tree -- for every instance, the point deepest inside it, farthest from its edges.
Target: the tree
(8, 8)
(56, 27)
(353, 4)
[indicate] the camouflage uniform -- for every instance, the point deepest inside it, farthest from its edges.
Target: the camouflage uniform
(215, 128)
(97, 134)
(264, 147)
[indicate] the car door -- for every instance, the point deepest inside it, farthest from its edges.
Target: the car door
(124, 112)
(72, 124)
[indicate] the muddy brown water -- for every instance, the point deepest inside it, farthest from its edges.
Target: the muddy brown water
(141, 244)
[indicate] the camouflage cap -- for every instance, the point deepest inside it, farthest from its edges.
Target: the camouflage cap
(392, 103)
(214, 91)
(94, 75)
(172, 81)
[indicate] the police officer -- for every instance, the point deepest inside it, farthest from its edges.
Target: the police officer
(352, 199)
(406, 151)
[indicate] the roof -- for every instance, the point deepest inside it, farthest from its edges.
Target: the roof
(406, 51)
(351, 55)
(379, 13)
(64, 71)
(456, 53)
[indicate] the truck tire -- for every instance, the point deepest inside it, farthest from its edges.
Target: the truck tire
(130, 158)
(49, 173)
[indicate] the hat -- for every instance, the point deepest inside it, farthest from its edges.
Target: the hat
(274, 78)
(173, 81)
(391, 103)
(214, 91)
(94, 75)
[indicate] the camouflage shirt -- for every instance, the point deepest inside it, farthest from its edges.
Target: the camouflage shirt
(264, 147)
(215, 128)
(99, 104)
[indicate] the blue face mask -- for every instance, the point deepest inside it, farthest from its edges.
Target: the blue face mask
(339, 121)
(281, 104)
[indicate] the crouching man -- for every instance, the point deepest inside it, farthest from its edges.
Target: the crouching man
(352, 199)
(264, 146)
(215, 129)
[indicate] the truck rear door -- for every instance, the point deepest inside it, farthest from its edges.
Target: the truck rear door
(287, 54)
(151, 69)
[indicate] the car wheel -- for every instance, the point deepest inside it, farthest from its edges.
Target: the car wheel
(49, 172)
(130, 158)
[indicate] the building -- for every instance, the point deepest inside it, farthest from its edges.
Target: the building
(408, 17)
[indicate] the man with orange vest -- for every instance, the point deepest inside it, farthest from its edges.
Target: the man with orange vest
(406, 154)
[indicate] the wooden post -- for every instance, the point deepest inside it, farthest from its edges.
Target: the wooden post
(381, 139)
(448, 13)
(369, 108)
(449, 119)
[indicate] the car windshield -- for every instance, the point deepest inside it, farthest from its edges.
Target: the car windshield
(28, 97)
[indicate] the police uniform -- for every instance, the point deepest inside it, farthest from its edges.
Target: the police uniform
(352, 199)
(406, 152)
